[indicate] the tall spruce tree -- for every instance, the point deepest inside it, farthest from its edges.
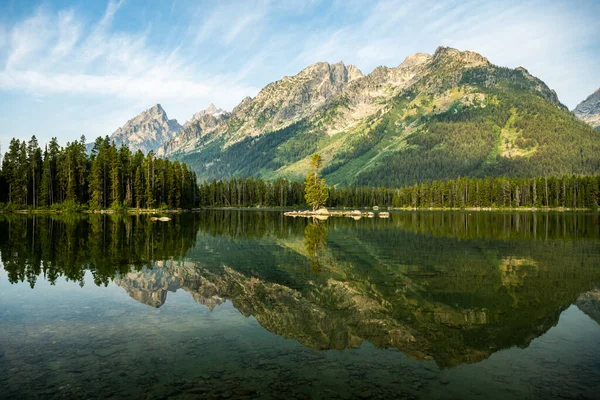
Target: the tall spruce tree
(34, 160)
(316, 189)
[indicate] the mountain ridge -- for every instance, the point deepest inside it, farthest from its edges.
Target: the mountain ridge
(589, 110)
(147, 130)
(439, 116)
(452, 113)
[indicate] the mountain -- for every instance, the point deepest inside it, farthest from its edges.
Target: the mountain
(275, 107)
(589, 303)
(589, 110)
(201, 124)
(147, 131)
(212, 111)
(436, 116)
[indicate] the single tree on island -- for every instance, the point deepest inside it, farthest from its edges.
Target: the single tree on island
(315, 187)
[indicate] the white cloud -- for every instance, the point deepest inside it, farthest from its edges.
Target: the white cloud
(69, 31)
(53, 53)
(28, 38)
(230, 21)
(552, 40)
(225, 51)
(143, 87)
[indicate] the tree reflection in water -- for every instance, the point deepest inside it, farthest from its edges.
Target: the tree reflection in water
(315, 240)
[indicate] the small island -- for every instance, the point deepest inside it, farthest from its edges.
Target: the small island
(316, 194)
(323, 213)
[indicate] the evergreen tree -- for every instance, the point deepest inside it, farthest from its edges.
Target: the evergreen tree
(44, 198)
(149, 193)
(22, 173)
(34, 159)
(106, 177)
(315, 187)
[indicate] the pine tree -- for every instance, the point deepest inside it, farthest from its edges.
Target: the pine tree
(34, 159)
(315, 187)
(114, 165)
(53, 154)
(149, 193)
(10, 170)
(22, 173)
(44, 198)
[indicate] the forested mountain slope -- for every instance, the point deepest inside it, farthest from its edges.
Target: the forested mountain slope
(432, 117)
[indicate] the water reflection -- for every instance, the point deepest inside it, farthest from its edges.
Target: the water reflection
(315, 239)
(449, 287)
(589, 303)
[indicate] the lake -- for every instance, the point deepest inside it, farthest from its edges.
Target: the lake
(252, 304)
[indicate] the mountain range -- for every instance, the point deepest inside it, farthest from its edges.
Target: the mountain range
(436, 116)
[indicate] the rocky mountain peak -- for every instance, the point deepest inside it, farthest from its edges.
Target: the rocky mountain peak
(337, 74)
(291, 98)
(415, 60)
(589, 109)
(211, 112)
(201, 124)
(353, 72)
(467, 58)
(339, 101)
(211, 109)
(157, 108)
(147, 131)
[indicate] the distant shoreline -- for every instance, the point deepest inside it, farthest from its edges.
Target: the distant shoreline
(349, 209)
(127, 211)
(298, 209)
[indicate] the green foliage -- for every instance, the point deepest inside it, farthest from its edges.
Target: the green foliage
(68, 206)
(315, 240)
(567, 191)
(251, 192)
(555, 192)
(9, 207)
(418, 137)
(465, 141)
(118, 206)
(68, 244)
(253, 156)
(315, 186)
(67, 179)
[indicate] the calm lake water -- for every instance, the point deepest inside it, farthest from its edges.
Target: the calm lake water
(248, 304)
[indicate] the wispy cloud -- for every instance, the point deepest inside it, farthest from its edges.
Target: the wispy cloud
(53, 53)
(228, 21)
(552, 39)
(115, 61)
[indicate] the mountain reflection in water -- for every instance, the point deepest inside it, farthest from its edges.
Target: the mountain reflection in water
(453, 287)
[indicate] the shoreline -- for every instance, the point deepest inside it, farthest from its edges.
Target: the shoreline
(290, 211)
(128, 211)
(381, 209)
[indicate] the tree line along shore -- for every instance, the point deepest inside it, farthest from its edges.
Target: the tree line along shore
(106, 178)
(568, 192)
(110, 179)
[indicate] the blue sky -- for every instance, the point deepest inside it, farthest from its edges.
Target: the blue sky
(69, 68)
